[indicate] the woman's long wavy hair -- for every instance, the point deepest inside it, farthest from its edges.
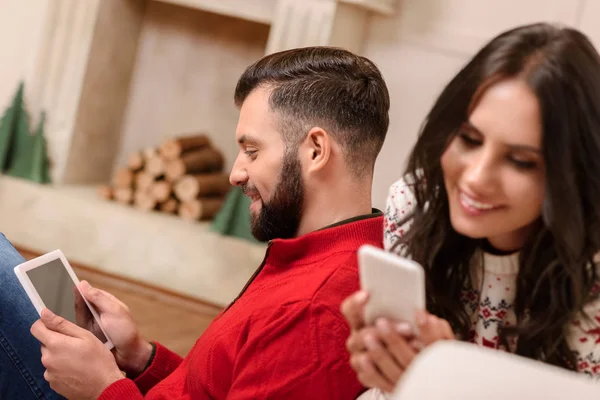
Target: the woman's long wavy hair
(556, 275)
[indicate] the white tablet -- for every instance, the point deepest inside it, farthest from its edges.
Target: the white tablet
(51, 283)
(396, 285)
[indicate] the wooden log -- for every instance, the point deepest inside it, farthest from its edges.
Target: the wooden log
(191, 187)
(123, 195)
(135, 162)
(170, 206)
(123, 178)
(143, 180)
(171, 149)
(105, 191)
(149, 152)
(161, 191)
(204, 160)
(144, 201)
(155, 166)
(200, 209)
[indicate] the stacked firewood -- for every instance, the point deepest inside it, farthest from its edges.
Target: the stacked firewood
(183, 176)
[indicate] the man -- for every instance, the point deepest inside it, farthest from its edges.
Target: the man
(312, 122)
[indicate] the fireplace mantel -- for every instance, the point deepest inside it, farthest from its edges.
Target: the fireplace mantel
(298, 23)
(263, 11)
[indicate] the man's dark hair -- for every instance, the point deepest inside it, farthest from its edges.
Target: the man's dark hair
(328, 87)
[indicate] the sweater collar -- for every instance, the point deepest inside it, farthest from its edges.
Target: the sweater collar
(507, 264)
(346, 235)
(498, 261)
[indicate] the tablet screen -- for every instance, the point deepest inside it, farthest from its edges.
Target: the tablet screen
(59, 294)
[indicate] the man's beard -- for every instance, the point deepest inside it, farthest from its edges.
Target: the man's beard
(280, 217)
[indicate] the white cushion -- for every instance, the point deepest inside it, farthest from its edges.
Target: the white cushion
(453, 370)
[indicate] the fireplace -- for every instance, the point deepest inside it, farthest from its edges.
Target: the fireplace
(117, 76)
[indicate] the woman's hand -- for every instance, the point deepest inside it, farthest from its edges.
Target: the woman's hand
(431, 329)
(380, 354)
(353, 309)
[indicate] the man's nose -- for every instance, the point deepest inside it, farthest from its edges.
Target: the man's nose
(238, 175)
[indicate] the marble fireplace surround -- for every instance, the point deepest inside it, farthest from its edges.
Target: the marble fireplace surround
(90, 47)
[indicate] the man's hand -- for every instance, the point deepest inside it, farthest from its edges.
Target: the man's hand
(132, 352)
(78, 365)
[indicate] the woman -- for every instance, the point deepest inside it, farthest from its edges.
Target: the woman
(502, 198)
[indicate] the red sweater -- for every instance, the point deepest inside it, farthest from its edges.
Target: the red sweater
(283, 338)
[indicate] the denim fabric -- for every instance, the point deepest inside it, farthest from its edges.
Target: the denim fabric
(21, 369)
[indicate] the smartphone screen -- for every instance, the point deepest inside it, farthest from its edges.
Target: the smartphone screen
(60, 295)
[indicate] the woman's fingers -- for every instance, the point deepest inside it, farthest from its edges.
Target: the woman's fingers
(431, 328)
(383, 359)
(352, 308)
(380, 354)
(369, 376)
(355, 342)
(396, 344)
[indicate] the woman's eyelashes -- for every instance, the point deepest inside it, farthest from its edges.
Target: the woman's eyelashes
(522, 164)
(471, 140)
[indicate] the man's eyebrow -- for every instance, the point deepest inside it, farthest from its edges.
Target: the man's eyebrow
(245, 139)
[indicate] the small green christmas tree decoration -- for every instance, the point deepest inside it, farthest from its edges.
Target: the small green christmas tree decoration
(20, 159)
(22, 154)
(40, 167)
(8, 125)
(234, 217)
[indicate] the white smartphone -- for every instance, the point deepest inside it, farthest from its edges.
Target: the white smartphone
(51, 283)
(396, 285)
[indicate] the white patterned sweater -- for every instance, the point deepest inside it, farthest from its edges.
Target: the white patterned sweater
(490, 302)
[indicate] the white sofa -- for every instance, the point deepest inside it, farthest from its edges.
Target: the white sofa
(463, 371)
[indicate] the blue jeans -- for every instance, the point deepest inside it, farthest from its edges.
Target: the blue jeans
(21, 369)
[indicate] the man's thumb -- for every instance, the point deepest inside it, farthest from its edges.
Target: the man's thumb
(59, 324)
(95, 296)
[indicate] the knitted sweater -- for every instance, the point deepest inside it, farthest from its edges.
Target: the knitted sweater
(283, 338)
(490, 301)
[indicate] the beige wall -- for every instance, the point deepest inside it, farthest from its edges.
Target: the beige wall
(21, 33)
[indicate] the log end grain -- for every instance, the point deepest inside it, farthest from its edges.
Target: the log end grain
(135, 162)
(105, 192)
(144, 201)
(123, 195)
(200, 209)
(161, 191)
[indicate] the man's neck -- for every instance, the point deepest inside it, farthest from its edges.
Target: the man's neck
(329, 207)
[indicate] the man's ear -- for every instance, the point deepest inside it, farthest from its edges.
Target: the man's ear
(317, 149)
